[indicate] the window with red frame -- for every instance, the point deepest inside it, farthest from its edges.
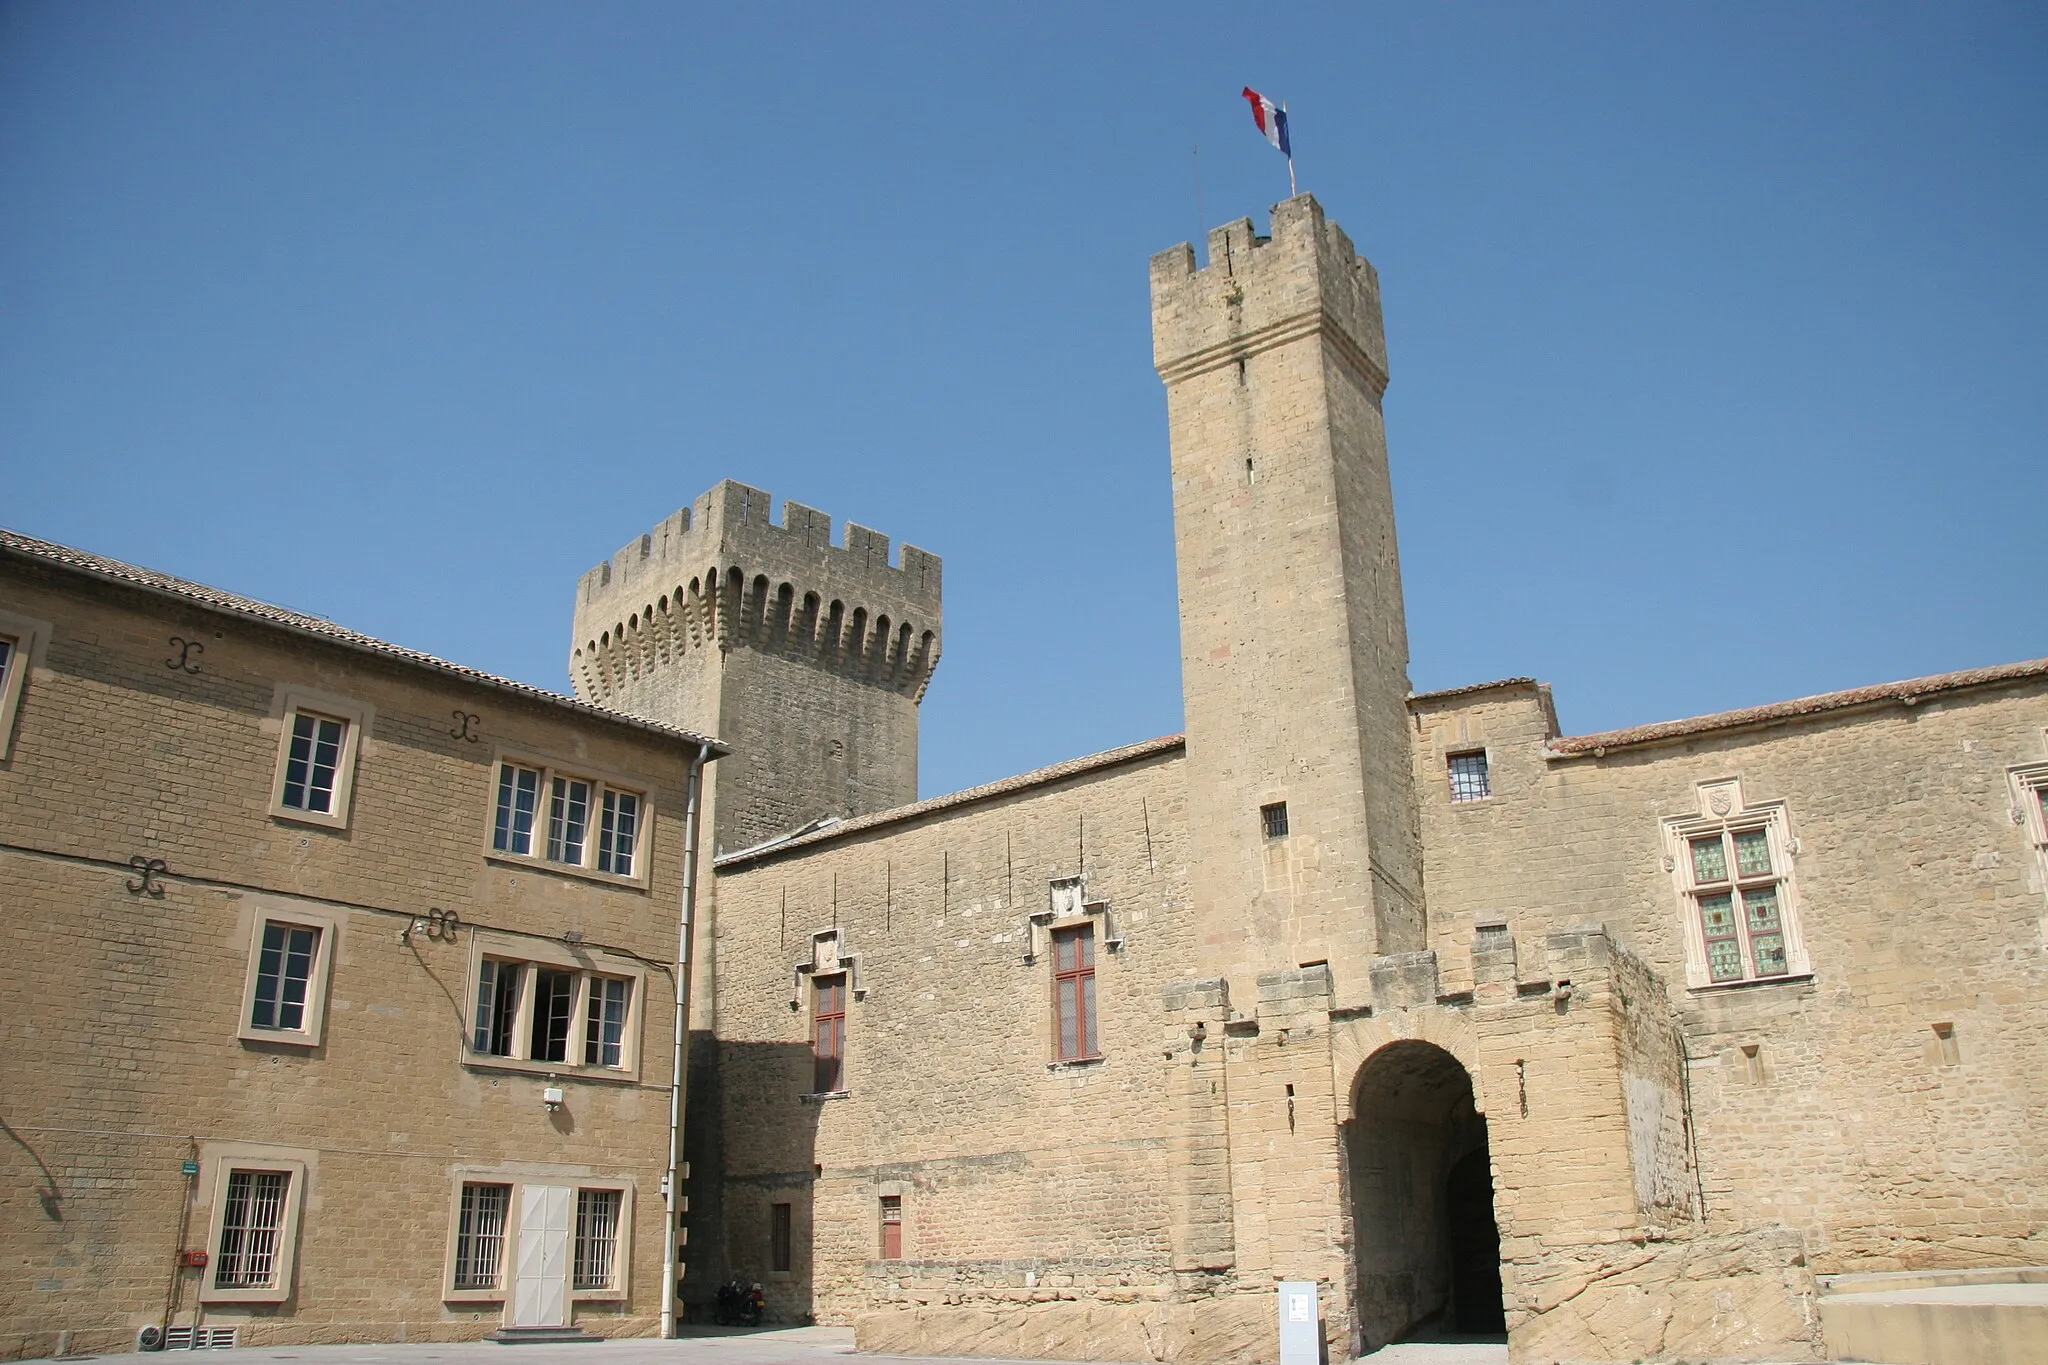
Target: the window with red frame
(892, 1227)
(1073, 992)
(828, 1032)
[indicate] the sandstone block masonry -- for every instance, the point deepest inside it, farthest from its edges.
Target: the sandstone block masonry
(811, 656)
(146, 850)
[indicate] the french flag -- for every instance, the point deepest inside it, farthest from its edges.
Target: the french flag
(1272, 121)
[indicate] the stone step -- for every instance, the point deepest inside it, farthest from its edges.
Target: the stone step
(540, 1336)
(1993, 1316)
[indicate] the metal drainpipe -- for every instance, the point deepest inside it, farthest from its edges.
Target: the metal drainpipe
(686, 917)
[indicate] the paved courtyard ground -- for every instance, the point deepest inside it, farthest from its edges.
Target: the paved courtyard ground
(706, 1346)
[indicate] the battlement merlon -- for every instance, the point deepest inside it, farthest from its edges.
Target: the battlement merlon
(1260, 292)
(731, 527)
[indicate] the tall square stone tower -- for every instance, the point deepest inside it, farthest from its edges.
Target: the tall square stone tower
(1294, 649)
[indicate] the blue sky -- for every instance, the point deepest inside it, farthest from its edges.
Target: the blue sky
(1718, 333)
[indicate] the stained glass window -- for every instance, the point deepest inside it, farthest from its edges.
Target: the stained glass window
(1709, 860)
(1753, 853)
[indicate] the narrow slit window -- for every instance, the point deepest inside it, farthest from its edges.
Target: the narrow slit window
(779, 1249)
(828, 1024)
(892, 1227)
(1468, 777)
(1074, 993)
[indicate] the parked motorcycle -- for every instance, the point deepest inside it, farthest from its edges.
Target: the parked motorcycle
(741, 1304)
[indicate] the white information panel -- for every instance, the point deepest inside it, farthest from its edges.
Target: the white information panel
(1301, 1329)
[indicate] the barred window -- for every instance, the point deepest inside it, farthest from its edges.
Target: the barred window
(480, 1236)
(252, 1222)
(1273, 819)
(597, 1238)
(1468, 776)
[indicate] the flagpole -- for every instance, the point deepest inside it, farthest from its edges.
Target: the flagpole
(1291, 191)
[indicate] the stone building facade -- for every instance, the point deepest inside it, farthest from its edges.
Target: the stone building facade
(1614, 1042)
(305, 1041)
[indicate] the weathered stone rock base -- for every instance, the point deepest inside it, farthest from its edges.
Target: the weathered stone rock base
(1221, 1329)
(1746, 1296)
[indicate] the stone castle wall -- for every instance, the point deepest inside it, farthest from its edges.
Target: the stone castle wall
(1024, 1181)
(1825, 1104)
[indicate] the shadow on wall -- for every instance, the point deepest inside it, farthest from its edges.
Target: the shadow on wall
(750, 1136)
(1422, 1193)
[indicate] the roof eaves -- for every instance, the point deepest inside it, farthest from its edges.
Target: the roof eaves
(823, 832)
(100, 568)
(1908, 692)
(1445, 693)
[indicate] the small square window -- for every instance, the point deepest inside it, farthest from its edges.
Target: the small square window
(548, 817)
(1468, 777)
(316, 758)
(1274, 820)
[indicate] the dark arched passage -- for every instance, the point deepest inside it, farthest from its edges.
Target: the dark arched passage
(1427, 1246)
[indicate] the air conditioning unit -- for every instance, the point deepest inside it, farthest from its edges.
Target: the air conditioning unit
(150, 1338)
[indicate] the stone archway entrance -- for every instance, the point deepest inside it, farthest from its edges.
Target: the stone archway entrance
(1427, 1246)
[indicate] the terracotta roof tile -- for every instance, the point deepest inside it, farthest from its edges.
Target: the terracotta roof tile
(1908, 692)
(66, 559)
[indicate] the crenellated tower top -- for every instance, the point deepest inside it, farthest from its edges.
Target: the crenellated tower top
(725, 573)
(809, 657)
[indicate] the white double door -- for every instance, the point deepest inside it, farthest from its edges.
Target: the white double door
(540, 1282)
